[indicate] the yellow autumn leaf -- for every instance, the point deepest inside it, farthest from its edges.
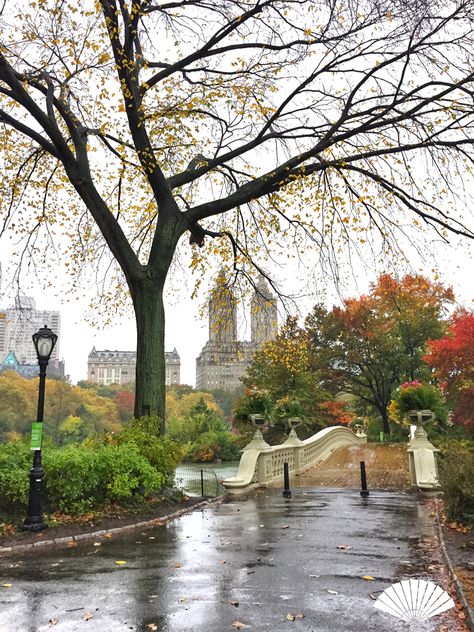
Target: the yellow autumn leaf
(293, 617)
(368, 578)
(120, 562)
(7, 585)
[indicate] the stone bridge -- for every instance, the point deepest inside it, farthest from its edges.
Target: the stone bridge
(331, 458)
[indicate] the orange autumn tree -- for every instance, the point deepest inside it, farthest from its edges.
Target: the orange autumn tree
(227, 127)
(452, 358)
(371, 344)
(285, 371)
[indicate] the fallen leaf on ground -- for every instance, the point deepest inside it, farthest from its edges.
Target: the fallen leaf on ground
(152, 626)
(120, 562)
(176, 565)
(7, 585)
(88, 616)
(292, 617)
(239, 625)
(286, 526)
(332, 592)
(233, 603)
(343, 547)
(368, 578)
(53, 622)
(224, 562)
(71, 544)
(182, 599)
(107, 535)
(97, 544)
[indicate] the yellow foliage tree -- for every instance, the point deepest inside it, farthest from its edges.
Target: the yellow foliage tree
(127, 124)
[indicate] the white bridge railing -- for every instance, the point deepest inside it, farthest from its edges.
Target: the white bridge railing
(262, 465)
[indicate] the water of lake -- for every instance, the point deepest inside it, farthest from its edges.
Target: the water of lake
(188, 477)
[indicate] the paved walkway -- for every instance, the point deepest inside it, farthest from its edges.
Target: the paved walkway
(253, 564)
(386, 466)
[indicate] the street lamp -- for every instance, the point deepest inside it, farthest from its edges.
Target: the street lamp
(44, 341)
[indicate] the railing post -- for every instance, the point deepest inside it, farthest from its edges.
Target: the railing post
(286, 481)
(363, 480)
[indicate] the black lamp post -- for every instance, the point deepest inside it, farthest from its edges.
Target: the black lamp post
(44, 341)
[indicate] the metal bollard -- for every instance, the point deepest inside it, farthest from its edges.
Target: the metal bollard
(363, 480)
(286, 481)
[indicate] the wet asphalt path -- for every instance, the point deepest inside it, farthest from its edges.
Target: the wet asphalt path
(271, 556)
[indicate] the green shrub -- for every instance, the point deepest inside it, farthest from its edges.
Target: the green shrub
(71, 481)
(456, 472)
(121, 468)
(15, 463)
(79, 479)
(161, 452)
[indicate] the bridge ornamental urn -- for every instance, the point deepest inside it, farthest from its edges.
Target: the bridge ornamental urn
(293, 439)
(420, 418)
(258, 442)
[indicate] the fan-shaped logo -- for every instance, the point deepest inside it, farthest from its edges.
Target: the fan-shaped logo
(414, 600)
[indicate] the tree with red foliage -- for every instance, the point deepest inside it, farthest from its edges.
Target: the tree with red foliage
(371, 344)
(125, 401)
(452, 359)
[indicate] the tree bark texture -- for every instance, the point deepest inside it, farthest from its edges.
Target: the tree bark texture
(150, 368)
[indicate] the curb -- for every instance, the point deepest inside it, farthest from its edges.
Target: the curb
(145, 524)
(457, 583)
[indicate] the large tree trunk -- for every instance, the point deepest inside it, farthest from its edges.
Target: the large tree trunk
(150, 369)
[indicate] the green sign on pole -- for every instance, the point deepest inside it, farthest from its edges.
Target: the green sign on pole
(36, 435)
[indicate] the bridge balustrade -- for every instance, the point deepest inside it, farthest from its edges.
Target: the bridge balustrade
(261, 465)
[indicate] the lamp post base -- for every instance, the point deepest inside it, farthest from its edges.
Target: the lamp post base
(30, 524)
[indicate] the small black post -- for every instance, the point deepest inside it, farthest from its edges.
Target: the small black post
(202, 483)
(286, 481)
(363, 480)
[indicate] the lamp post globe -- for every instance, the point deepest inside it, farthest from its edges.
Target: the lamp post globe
(44, 341)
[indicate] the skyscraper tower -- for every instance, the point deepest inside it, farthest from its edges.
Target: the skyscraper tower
(263, 314)
(224, 359)
(222, 312)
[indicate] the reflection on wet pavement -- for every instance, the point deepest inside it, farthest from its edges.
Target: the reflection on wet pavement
(253, 561)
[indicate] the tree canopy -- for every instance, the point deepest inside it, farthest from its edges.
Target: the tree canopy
(125, 125)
